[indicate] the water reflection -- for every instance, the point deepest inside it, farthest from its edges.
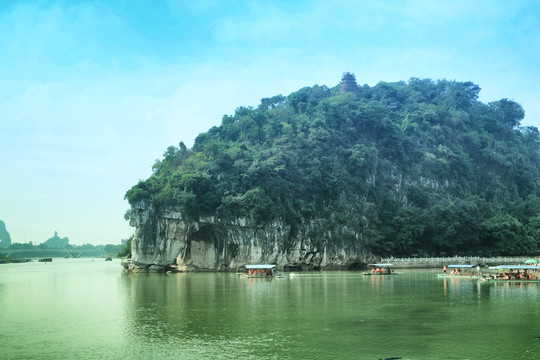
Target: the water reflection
(200, 315)
(516, 292)
(175, 305)
(461, 289)
(85, 309)
(327, 315)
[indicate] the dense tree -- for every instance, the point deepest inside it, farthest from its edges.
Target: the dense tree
(408, 166)
(113, 249)
(125, 250)
(508, 111)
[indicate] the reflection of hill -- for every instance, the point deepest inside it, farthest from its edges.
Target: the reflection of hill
(202, 304)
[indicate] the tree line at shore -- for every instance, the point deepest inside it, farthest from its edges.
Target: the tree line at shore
(119, 250)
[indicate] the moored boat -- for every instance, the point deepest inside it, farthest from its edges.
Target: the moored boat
(260, 271)
(514, 273)
(380, 269)
(460, 271)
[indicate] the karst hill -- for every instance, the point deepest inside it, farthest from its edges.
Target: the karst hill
(330, 177)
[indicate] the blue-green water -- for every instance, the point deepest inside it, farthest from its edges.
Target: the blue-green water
(88, 309)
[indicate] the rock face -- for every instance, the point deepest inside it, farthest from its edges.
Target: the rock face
(167, 240)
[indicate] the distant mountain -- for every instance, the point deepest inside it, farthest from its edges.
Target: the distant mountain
(5, 239)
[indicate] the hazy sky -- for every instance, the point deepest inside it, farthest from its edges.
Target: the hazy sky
(93, 92)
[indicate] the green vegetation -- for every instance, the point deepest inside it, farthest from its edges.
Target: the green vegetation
(125, 250)
(86, 248)
(409, 165)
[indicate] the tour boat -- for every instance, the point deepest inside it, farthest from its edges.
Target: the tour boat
(260, 271)
(455, 271)
(380, 269)
(514, 273)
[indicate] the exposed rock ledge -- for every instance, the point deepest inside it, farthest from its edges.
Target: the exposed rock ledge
(168, 241)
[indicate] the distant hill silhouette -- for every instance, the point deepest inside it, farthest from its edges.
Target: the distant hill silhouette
(5, 239)
(57, 242)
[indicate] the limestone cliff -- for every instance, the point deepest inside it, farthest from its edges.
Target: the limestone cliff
(167, 240)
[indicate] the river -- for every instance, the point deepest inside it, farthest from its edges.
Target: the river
(89, 309)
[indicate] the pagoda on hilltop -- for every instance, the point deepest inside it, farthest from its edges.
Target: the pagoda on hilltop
(348, 84)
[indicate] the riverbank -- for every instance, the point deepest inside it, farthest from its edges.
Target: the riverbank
(439, 262)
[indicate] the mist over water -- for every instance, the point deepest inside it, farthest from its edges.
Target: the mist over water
(89, 309)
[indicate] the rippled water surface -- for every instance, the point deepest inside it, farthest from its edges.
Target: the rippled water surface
(88, 309)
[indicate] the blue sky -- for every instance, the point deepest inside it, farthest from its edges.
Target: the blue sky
(93, 92)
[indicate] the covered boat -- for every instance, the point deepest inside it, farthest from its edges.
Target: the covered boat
(461, 271)
(380, 269)
(260, 271)
(514, 273)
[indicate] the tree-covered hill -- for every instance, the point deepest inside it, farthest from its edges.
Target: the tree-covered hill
(417, 166)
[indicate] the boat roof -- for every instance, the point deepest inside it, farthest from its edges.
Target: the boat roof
(461, 266)
(516, 267)
(381, 265)
(262, 266)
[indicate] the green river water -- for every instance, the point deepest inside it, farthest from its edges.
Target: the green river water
(88, 309)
